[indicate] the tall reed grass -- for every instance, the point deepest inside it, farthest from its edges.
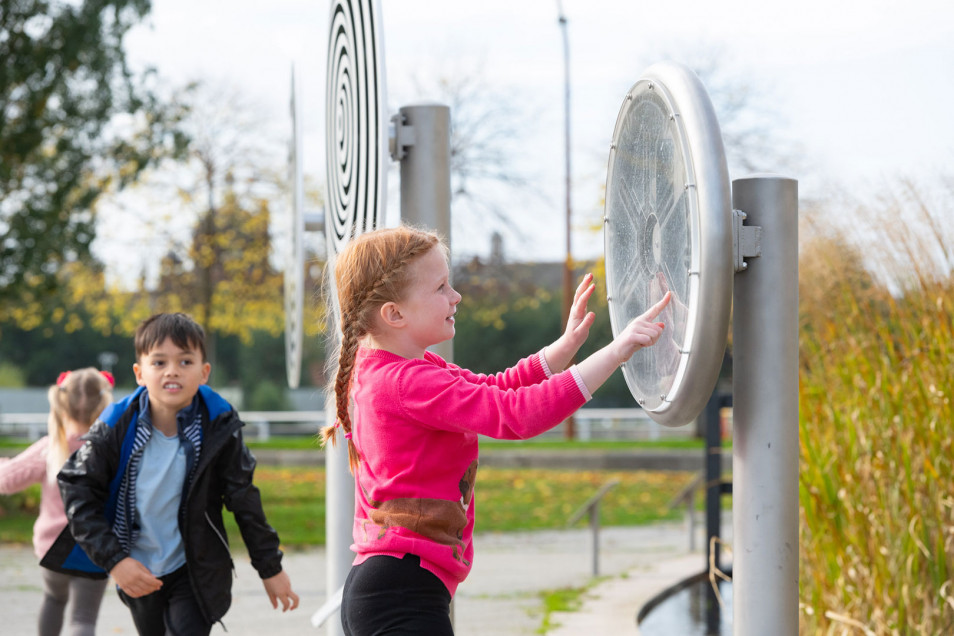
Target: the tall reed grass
(876, 374)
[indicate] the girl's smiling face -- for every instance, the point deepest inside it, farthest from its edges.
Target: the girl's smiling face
(430, 302)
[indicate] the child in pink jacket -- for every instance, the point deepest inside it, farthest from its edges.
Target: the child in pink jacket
(412, 420)
(76, 400)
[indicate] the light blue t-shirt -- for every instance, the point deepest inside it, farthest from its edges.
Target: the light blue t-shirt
(158, 493)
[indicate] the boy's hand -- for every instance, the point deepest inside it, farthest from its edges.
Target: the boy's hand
(134, 578)
(278, 588)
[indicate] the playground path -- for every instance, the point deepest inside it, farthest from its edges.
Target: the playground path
(501, 597)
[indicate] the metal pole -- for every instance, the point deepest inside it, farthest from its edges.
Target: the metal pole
(423, 147)
(568, 263)
(713, 479)
(339, 522)
(595, 527)
(765, 414)
(423, 140)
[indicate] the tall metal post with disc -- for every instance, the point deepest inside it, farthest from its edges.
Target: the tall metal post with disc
(294, 275)
(670, 226)
(356, 144)
(357, 148)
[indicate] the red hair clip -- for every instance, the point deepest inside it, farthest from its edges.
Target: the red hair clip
(62, 378)
(109, 377)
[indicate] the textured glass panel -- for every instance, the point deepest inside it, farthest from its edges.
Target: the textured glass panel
(648, 239)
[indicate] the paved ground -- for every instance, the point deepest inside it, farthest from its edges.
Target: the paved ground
(501, 597)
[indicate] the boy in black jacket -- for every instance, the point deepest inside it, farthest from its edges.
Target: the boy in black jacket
(144, 495)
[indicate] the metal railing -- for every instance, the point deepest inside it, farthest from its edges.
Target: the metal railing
(592, 507)
(591, 424)
(261, 425)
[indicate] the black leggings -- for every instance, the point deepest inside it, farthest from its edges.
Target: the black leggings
(387, 595)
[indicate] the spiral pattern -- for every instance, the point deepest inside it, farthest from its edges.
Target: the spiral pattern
(355, 122)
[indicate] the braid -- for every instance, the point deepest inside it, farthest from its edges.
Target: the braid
(371, 270)
(342, 392)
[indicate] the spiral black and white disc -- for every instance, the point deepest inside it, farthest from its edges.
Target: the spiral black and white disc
(356, 122)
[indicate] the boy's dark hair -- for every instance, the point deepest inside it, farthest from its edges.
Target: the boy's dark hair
(184, 332)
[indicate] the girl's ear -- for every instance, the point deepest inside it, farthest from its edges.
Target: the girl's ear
(391, 315)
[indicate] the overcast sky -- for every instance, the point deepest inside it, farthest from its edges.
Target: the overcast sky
(861, 89)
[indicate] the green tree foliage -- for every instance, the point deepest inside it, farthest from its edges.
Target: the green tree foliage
(74, 123)
(512, 310)
(46, 332)
(227, 282)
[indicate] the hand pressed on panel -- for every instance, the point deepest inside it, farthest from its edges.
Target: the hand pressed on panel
(642, 331)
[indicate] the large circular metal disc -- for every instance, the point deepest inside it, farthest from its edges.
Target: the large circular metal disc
(669, 228)
(294, 292)
(356, 138)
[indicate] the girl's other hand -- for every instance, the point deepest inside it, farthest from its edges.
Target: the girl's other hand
(580, 320)
(560, 353)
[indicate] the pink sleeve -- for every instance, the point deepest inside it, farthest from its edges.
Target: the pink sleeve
(443, 399)
(528, 371)
(26, 469)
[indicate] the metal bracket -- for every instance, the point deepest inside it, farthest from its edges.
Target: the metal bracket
(746, 240)
(400, 137)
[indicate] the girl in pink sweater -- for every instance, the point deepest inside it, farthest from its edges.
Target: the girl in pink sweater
(76, 400)
(412, 419)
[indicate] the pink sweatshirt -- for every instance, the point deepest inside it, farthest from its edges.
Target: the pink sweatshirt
(28, 468)
(415, 426)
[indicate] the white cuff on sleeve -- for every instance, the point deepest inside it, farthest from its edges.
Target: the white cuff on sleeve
(579, 382)
(543, 362)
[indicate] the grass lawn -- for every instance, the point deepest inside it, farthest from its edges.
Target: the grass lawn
(507, 500)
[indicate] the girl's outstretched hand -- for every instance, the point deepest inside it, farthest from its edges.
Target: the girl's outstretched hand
(578, 326)
(642, 331)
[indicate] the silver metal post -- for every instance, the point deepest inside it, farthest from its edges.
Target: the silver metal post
(423, 147)
(595, 528)
(765, 414)
(339, 519)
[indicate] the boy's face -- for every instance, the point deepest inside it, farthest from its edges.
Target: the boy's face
(171, 375)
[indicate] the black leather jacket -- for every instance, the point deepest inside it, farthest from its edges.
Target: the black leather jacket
(89, 483)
